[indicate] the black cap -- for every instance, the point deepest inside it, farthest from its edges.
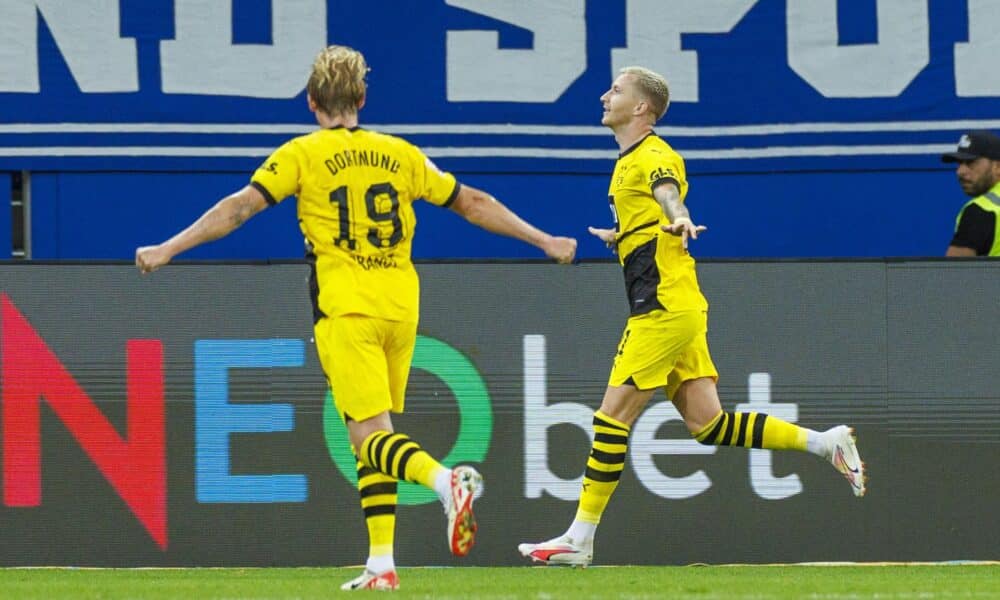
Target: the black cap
(973, 145)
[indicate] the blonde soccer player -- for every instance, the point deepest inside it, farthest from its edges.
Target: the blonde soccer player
(355, 190)
(664, 344)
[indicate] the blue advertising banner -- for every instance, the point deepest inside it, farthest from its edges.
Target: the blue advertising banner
(512, 84)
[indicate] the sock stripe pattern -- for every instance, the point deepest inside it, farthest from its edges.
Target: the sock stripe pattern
(752, 430)
(377, 491)
(401, 448)
(727, 437)
(399, 457)
(604, 466)
(731, 429)
(607, 438)
(742, 436)
(378, 502)
(386, 452)
(758, 431)
(607, 456)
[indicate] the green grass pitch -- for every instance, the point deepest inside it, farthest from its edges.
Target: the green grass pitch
(924, 582)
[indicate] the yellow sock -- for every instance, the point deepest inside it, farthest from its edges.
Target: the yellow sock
(378, 501)
(396, 455)
(752, 430)
(604, 467)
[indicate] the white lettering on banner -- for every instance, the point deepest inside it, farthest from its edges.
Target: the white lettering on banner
(883, 69)
(975, 62)
(538, 418)
(204, 60)
(86, 32)
(762, 478)
(643, 445)
(654, 37)
(479, 71)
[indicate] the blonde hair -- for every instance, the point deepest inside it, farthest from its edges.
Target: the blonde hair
(653, 87)
(337, 82)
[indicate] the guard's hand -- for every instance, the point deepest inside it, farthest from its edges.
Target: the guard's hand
(685, 229)
(151, 258)
(561, 249)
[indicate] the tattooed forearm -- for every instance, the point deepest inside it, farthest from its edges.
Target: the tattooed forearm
(242, 211)
(225, 216)
(669, 199)
(220, 220)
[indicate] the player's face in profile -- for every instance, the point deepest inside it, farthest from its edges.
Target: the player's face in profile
(619, 101)
(976, 176)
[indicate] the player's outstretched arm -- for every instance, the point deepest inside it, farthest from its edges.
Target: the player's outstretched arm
(479, 208)
(669, 198)
(218, 221)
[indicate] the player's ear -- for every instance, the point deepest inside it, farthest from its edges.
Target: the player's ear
(312, 103)
(361, 103)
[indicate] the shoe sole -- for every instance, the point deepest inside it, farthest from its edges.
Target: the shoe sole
(380, 583)
(464, 533)
(540, 556)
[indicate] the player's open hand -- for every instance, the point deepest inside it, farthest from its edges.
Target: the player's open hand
(685, 229)
(608, 236)
(561, 249)
(151, 258)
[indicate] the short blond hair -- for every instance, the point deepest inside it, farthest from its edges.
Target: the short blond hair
(653, 87)
(337, 82)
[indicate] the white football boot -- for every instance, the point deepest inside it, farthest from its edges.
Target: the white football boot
(843, 455)
(387, 581)
(466, 486)
(559, 551)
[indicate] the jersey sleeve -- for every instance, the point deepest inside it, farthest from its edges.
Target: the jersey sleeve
(659, 167)
(434, 185)
(975, 230)
(278, 177)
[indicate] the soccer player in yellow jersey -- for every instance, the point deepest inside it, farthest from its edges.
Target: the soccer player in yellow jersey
(356, 190)
(664, 342)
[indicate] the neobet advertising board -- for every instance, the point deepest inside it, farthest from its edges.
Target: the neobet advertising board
(182, 418)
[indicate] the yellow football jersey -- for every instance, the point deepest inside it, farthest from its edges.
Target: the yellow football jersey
(355, 191)
(659, 272)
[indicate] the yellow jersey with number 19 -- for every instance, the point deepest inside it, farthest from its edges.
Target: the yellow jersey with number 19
(659, 272)
(356, 190)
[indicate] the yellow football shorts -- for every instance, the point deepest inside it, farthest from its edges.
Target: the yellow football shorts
(663, 349)
(367, 363)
